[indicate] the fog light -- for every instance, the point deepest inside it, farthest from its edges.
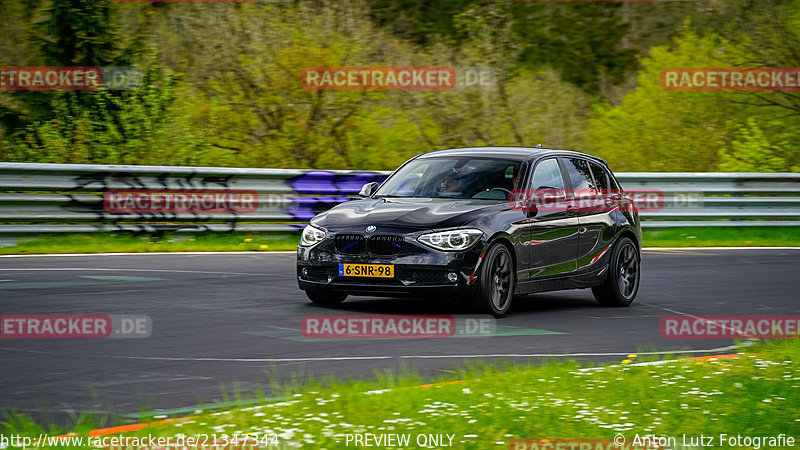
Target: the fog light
(452, 277)
(304, 272)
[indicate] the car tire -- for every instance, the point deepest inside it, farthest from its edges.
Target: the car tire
(496, 282)
(622, 280)
(326, 297)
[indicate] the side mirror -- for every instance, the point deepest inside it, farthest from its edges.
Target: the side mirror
(368, 189)
(521, 201)
(531, 210)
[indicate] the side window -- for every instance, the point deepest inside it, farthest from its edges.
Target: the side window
(600, 178)
(580, 177)
(547, 176)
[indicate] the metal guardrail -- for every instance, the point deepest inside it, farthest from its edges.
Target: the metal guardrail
(67, 198)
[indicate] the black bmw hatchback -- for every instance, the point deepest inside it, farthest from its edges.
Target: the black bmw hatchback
(480, 225)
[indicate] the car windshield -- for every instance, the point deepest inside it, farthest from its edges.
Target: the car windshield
(447, 177)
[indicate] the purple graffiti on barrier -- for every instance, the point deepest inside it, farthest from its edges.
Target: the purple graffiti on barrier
(332, 188)
(331, 183)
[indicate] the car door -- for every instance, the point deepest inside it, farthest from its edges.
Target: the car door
(593, 200)
(603, 224)
(551, 228)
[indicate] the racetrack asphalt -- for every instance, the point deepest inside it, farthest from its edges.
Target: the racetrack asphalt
(233, 320)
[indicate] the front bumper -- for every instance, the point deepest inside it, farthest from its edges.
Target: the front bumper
(419, 271)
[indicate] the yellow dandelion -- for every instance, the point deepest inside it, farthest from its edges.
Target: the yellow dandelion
(248, 240)
(633, 356)
(626, 361)
(263, 246)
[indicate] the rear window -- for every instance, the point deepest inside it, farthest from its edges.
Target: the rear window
(601, 180)
(580, 177)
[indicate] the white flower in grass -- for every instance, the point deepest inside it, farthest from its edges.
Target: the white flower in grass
(466, 391)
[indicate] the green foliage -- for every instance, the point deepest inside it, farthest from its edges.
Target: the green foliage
(658, 130)
(222, 84)
(134, 126)
(751, 151)
(77, 32)
(592, 54)
(126, 127)
(420, 21)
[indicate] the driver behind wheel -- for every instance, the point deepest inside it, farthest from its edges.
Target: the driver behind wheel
(451, 184)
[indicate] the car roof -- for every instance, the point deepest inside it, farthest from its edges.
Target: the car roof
(518, 153)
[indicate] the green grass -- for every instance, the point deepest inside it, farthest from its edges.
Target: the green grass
(175, 242)
(487, 406)
(722, 237)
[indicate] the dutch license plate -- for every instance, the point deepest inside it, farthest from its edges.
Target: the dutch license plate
(366, 270)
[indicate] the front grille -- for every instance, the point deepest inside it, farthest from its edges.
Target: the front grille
(349, 244)
(385, 245)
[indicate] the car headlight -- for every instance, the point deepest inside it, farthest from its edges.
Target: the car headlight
(453, 240)
(311, 236)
